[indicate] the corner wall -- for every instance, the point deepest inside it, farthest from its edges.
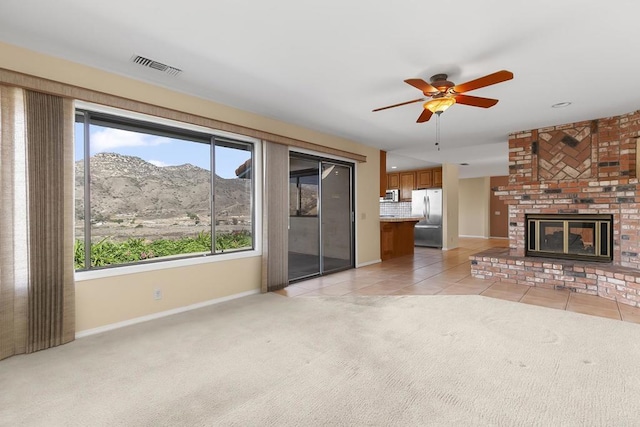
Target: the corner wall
(474, 195)
(450, 200)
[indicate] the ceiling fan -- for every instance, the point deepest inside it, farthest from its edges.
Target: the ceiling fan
(444, 93)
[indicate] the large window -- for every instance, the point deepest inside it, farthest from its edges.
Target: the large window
(147, 192)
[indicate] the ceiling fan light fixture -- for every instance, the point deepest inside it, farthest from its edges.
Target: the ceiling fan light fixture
(439, 105)
(445, 93)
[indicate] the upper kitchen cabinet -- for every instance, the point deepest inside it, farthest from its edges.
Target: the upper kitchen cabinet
(429, 178)
(424, 179)
(408, 181)
(393, 181)
(407, 185)
(437, 177)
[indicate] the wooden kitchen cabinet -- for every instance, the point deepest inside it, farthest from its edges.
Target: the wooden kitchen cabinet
(437, 178)
(393, 181)
(396, 237)
(414, 180)
(407, 185)
(429, 178)
(386, 240)
(424, 179)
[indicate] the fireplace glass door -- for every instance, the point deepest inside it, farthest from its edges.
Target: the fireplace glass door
(585, 237)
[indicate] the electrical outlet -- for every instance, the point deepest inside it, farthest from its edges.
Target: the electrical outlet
(157, 293)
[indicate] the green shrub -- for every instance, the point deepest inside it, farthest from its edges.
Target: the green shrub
(107, 252)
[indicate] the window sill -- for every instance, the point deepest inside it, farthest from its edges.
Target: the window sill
(162, 265)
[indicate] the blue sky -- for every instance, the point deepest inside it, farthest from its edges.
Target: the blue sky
(160, 151)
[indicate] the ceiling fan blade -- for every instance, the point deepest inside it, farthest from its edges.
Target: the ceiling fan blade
(476, 101)
(398, 105)
(489, 80)
(425, 116)
(425, 87)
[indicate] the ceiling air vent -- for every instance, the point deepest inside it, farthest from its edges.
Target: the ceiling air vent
(150, 63)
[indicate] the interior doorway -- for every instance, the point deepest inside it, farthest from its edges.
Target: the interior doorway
(321, 219)
(499, 210)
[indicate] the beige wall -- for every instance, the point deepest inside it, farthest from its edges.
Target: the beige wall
(450, 206)
(368, 208)
(474, 196)
(109, 300)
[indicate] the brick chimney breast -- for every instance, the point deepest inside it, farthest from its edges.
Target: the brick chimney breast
(565, 154)
(583, 168)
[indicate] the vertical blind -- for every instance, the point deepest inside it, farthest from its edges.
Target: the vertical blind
(275, 241)
(36, 222)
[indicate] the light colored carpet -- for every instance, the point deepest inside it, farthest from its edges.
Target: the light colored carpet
(266, 360)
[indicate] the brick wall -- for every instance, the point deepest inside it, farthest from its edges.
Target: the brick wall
(587, 167)
(602, 149)
(616, 197)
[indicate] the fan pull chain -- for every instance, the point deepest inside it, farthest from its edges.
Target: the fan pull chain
(438, 130)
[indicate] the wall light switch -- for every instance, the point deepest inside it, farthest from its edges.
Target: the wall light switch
(497, 213)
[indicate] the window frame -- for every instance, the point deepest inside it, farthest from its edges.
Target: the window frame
(186, 131)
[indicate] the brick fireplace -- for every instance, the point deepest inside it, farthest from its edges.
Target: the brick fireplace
(575, 171)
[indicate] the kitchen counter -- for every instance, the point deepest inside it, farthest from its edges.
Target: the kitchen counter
(396, 236)
(398, 219)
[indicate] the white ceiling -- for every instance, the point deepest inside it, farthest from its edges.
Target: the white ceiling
(326, 64)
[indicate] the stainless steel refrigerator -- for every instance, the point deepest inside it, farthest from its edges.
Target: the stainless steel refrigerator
(427, 204)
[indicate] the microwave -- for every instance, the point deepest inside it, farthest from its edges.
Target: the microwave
(391, 196)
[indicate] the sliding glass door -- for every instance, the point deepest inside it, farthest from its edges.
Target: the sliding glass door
(304, 221)
(320, 216)
(336, 218)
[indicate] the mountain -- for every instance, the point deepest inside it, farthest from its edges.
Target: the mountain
(127, 186)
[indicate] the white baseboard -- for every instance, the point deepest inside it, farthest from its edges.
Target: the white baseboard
(364, 264)
(112, 326)
(473, 237)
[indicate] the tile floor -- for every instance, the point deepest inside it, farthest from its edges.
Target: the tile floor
(435, 272)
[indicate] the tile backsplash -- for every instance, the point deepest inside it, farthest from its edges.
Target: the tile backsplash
(402, 209)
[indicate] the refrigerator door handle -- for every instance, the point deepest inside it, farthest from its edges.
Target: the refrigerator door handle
(424, 204)
(428, 207)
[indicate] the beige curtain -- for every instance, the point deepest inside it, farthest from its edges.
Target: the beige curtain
(37, 303)
(275, 238)
(13, 226)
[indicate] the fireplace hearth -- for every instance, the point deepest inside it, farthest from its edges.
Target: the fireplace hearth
(579, 237)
